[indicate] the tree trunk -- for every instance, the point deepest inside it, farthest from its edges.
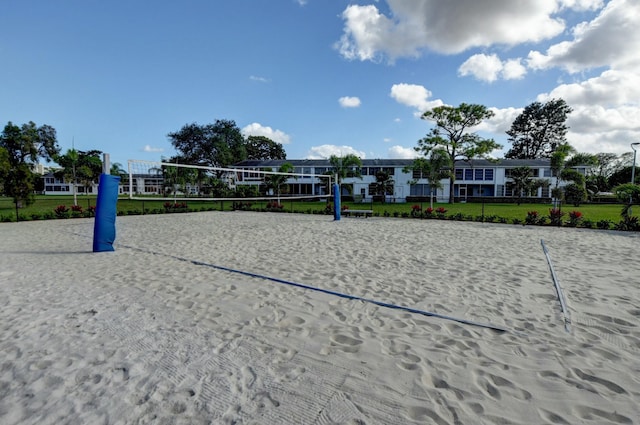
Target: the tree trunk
(451, 190)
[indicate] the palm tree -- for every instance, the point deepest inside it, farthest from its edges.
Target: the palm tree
(384, 184)
(277, 181)
(345, 166)
(68, 162)
(434, 169)
(523, 184)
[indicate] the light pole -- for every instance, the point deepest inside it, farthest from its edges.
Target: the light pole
(633, 172)
(633, 167)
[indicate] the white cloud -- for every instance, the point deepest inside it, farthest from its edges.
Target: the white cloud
(151, 149)
(415, 96)
(349, 102)
(501, 120)
(611, 40)
(325, 151)
(399, 152)
(447, 27)
(258, 79)
(257, 129)
(489, 68)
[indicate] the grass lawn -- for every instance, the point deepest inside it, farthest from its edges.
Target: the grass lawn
(45, 205)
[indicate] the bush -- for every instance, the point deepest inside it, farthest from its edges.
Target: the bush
(440, 212)
(533, 217)
(575, 217)
(61, 211)
(555, 216)
(604, 224)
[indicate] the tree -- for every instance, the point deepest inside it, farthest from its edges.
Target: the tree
(451, 135)
(563, 159)
(524, 183)
(277, 181)
(82, 166)
(263, 148)
(23, 147)
(538, 130)
(434, 169)
(345, 166)
(384, 184)
(5, 167)
(628, 193)
(215, 145)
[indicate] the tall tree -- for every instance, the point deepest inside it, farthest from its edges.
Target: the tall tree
(452, 135)
(216, 145)
(524, 183)
(384, 184)
(277, 182)
(80, 166)
(24, 146)
(538, 130)
(345, 166)
(263, 148)
(434, 169)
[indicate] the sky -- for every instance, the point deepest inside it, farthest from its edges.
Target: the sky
(321, 77)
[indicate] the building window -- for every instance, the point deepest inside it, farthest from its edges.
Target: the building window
(488, 174)
(458, 173)
(479, 174)
(468, 174)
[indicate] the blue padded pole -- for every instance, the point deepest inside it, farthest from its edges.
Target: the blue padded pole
(336, 201)
(104, 227)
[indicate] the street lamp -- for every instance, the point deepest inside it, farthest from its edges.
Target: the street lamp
(633, 167)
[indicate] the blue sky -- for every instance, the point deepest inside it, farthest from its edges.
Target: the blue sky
(321, 77)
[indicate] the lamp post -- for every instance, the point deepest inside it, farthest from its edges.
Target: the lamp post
(633, 172)
(633, 167)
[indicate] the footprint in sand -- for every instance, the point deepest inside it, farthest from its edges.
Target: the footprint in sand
(592, 414)
(346, 343)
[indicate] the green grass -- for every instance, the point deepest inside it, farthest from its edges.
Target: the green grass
(44, 205)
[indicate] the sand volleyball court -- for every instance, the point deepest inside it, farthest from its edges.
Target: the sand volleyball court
(165, 330)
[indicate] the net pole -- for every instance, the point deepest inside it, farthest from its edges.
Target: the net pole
(336, 202)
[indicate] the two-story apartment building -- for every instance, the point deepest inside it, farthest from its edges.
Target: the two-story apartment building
(473, 179)
(478, 178)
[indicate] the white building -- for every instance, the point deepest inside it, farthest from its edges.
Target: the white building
(478, 178)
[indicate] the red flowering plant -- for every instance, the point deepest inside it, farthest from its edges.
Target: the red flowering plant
(575, 217)
(416, 210)
(440, 212)
(61, 211)
(533, 217)
(428, 212)
(555, 216)
(274, 206)
(76, 211)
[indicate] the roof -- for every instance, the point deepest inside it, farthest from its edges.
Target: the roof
(503, 163)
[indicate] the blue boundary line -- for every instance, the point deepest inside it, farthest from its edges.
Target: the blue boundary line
(329, 292)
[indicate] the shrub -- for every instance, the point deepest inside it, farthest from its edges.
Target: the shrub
(588, 223)
(275, 206)
(604, 224)
(416, 210)
(516, 221)
(440, 212)
(429, 212)
(575, 217)
(533, 217)
(628, 223)
(555, 216)
(61, 211)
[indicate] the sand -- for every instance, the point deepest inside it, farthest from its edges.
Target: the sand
(156, 332)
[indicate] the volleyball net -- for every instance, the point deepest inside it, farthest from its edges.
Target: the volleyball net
(181, 182)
